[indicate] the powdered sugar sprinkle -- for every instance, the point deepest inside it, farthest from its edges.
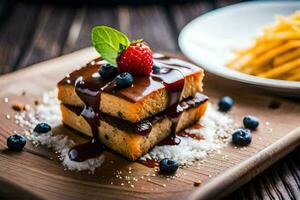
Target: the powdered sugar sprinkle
(216, 129)
(48, 111)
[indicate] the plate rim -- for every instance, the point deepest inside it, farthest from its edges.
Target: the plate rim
(237, 76)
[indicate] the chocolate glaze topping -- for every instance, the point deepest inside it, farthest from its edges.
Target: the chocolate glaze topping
(89, 86)
(142, 85)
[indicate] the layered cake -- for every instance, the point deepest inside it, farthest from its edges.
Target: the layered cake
(129, 106)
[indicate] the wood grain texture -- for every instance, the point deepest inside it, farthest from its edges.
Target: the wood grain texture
(150, 23)
(182, 14)
(222, 3)
(5, 8)
(47, 179)
(86, 18)
(14, 36)
(49, 36)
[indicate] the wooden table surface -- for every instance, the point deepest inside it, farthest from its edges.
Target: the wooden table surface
(32, 32)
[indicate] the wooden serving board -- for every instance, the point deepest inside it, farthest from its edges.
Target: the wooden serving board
(25, 174)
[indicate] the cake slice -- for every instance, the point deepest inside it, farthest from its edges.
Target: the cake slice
(125, 137)
(148, 95)
(133, 120)
(130, 99)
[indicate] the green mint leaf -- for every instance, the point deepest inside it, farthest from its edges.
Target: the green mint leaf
(108, 42)
(122, 47)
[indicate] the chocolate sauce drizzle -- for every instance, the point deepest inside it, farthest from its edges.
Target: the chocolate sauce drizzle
(174, 113)
(144, 126)
(89, 86)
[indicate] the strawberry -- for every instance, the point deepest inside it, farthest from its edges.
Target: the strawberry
(136, 59)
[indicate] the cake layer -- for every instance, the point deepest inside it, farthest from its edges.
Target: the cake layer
(129, 143)
(149, 95)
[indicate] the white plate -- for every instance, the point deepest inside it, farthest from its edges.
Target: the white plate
(208, 39)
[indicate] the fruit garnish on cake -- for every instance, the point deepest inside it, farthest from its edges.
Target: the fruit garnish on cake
(129, 99)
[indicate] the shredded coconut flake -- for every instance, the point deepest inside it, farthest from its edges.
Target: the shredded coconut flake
(216, 131)
(48, 111)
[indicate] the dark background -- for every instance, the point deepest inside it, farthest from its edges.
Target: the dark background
(33, 31)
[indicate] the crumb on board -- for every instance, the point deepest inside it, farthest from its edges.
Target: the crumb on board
(18, 106)
(197, 183)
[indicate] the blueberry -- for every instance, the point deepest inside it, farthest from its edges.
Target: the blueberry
(168, 166)
(155, 67)
(124, 80)
(16, 142)
(42, 128)
(108, 71)
(225, 103)
(241, 137)
(251, 122)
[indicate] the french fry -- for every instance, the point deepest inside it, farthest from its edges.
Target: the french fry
(290, 55)
(281, 69)
(243, 60)
(295, 76)
(275, 52)
(289, 74)
(260, 49)
(268, 66)
(240, 62)
(263, 69)
(288, 35)
(288, 21)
